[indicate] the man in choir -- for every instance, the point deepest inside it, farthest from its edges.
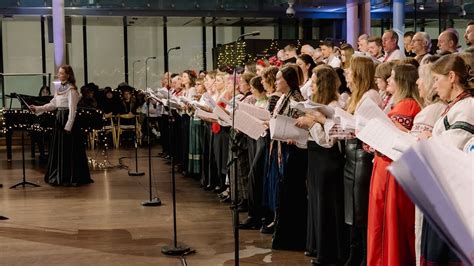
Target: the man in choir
(390, 46)
(330, 58)
(469, 35)
(376, 48)
(307, 49)
(290, 53)
(363, 43)
(407, 38)
(447, 42)
(281, 55)
(421, 45)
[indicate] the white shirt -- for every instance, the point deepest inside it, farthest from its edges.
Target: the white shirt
(306, 90)
(333, 61)
(426, 118)
(320, 136)
(66, 99)
(395, 55)
(461, 112)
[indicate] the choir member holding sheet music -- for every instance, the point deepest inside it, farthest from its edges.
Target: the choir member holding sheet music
(390, 227)
(257, 214)
(326, 235)
(424, 121)
(358, 165)
(453, 83)
(289, 163)
(240, 145)
(270, 182)
(220, 141)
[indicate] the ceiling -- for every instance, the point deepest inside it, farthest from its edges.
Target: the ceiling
(229, 12)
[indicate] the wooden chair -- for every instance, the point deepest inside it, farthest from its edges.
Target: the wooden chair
(135, 127)
(110, 127)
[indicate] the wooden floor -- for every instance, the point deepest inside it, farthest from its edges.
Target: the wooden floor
(104, 223)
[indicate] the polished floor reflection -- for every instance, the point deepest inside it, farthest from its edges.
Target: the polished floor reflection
(105, 224)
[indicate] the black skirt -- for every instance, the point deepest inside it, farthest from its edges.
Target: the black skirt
(434, 250)
(67, 163)
(326, 230)
(290, 227)
(357, 174)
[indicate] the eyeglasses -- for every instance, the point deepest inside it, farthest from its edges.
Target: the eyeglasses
(419, 40)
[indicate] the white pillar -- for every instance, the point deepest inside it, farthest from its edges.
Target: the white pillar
(365, 17)
(399, 20)
(59, 34)
(352, 23)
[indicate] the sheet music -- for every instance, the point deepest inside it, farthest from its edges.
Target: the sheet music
(283, 128)
(224, 118)
(248, 124)
(368, 110)
(309, 106)
(209, 100)
(346, 120)
(255, 111)
(198, 105)
(205, 115)
(439, 179)
(386, 138)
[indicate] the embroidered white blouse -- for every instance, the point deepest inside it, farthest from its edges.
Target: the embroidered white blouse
(457, 125)
(63, 99)
(426, 118)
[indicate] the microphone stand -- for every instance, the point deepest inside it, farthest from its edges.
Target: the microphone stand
(133, 71)
(151, 202)
(136, 172)
(235, 202)
(174, 250)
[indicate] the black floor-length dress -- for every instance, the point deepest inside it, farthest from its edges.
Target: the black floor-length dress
(67, 163)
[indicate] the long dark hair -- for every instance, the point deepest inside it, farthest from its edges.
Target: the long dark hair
(290, 74)
(309, 61)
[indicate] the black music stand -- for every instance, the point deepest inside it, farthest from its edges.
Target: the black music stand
(23, 183)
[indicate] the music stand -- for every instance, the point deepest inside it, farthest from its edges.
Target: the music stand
(23, 183)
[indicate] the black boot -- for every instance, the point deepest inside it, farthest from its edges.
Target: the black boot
(355, 249)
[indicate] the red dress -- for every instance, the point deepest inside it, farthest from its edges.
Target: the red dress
(391, 221)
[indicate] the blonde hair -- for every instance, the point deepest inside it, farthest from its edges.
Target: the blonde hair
(425, 74)
(327, 85)
(405, 77)
(363, 73)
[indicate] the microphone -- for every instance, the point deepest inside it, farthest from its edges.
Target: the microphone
(174, 48)
(253, 33)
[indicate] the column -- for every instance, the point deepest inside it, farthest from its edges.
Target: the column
(365, 17)
(59, 33)
(352, 23)
(399, 20)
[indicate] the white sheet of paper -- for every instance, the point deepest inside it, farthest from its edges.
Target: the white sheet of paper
(209, 100)
(224, 119)
(346, 120)
(255, 111)
(309, 106)
(439, 179)
(248, 124)
(205, 115)
(385, 138)
(283, 128)
(368, 110)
